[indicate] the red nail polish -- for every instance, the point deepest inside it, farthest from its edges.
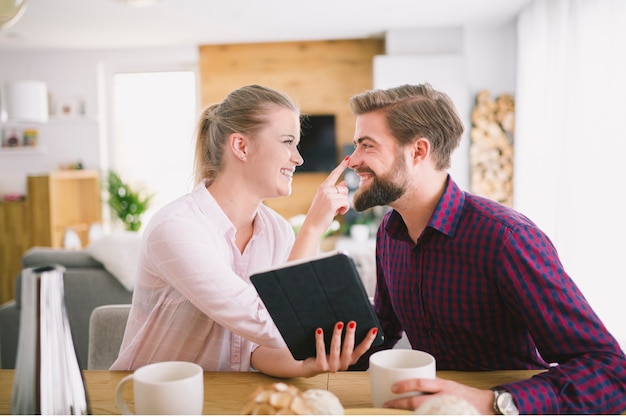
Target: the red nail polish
(339, 326)
(352, 325)
(319, 331)
(374, 330)
(346, 158)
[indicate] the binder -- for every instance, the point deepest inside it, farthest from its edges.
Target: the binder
(48, 379)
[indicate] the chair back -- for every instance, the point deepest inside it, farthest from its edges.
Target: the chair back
(106, 331)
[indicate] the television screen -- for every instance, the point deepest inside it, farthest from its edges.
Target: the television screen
(318, 143)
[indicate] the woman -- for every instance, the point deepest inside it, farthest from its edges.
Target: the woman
(193, 299)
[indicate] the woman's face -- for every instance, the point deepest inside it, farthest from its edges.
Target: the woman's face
(275, 154)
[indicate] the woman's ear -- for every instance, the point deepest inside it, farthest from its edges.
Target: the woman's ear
(239, 146)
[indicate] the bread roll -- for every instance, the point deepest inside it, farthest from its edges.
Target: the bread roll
(281, 398)
(323, 402)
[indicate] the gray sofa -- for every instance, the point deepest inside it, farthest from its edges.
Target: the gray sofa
(87, 285)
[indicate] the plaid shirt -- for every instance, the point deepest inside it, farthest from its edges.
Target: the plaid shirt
(484, 289)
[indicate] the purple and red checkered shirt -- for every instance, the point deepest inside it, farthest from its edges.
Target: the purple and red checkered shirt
(484, 289)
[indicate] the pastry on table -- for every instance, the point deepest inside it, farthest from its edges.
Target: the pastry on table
(282, 398)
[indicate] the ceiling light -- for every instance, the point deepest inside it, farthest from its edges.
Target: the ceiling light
(10, 12)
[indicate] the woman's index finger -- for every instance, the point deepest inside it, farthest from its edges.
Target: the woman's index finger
(336, 173)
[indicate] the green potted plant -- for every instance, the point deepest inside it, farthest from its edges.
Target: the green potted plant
(127, 204)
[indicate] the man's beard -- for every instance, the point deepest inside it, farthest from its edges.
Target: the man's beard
(383, 190)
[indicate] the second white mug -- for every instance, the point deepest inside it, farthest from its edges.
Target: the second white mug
(392, 365)
(164, 388)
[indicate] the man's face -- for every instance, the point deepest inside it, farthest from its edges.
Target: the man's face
(379, 163)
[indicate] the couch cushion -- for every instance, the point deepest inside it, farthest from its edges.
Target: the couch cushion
(42, 256)
(119, 253)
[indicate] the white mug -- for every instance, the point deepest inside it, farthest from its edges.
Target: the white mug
(392, 365)
(164, 388)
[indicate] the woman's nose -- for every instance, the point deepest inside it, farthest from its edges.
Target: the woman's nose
(297, 158)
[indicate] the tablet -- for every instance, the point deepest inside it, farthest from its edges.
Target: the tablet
(316, 292)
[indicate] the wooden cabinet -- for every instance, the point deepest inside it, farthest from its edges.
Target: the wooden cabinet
(14, 241)
(61, 201)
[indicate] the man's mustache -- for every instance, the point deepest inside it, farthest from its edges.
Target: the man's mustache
(364, 171)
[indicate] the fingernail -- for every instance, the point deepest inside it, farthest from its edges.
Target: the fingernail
(346, 158)
(339, 326)
(319, 331)
(352, 325)
(374, 330)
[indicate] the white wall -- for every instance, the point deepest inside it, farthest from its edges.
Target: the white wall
(72, 74)
(457, 61)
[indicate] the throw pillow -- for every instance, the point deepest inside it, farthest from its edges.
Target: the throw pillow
(119, 253)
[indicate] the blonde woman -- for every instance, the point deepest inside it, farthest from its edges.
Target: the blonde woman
(193, 299)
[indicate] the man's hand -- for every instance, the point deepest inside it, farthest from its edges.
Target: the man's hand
(482, 400)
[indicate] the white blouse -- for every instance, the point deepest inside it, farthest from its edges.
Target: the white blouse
(193, 300)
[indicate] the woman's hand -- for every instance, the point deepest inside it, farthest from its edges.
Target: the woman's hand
(280, 362)
(341, 355)
(330, 200)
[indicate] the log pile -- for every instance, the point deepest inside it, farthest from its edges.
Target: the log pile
(491, 148)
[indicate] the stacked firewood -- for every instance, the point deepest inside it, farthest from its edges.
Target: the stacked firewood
(491, 149)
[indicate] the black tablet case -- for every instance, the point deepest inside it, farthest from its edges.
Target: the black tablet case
(318, 292)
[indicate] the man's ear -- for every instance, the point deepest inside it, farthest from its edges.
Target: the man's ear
(420, 149)
(238, 146)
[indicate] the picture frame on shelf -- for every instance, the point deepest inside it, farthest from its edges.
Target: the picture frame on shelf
(12, 137)
(69, 107)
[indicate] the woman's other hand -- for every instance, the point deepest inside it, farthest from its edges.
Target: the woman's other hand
(342, 354)
(330, 200)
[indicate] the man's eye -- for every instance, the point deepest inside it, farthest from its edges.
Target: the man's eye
(288, 142)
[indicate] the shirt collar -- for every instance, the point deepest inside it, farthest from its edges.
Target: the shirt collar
(209, 206)
(446, 216)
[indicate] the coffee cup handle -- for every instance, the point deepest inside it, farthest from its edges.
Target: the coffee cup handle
(119, 397)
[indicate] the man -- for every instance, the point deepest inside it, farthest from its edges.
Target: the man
(473, 282)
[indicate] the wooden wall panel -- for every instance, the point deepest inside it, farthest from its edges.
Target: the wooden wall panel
(320, 76)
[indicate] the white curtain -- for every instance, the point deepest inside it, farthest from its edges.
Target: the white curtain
(571, 141)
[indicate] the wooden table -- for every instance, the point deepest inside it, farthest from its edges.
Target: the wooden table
(225, 392)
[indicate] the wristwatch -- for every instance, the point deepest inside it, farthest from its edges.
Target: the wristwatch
(503, 403)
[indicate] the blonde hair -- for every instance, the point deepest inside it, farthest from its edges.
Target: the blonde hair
(245, 111)
(415, 111)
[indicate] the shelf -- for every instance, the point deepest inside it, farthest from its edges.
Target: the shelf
(72, 119)
(63, 200)
(22, 150)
